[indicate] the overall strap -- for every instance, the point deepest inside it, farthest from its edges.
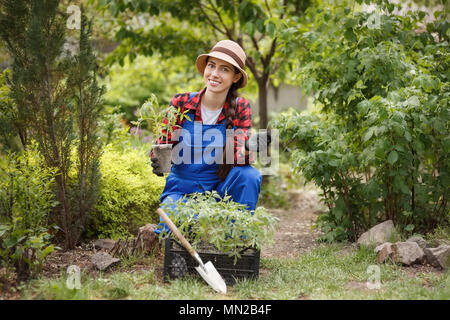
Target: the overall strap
(191, 95)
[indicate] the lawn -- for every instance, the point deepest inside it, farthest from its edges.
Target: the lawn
(331, 271)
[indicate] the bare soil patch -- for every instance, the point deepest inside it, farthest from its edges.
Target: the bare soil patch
(295, 235)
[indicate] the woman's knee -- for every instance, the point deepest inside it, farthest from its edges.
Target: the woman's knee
(248, 174)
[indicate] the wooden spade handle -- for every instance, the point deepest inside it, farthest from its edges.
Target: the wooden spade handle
(177, 232)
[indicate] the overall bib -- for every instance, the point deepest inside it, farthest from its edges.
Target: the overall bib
(243, 183)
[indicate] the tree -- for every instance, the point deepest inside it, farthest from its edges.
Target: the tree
(87, 101)
(56, 101)
(186, 27)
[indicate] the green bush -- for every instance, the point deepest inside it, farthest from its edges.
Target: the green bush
(129, 193)
(380, 149)
(26, 199)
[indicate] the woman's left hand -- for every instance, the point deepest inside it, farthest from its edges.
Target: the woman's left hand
(258, 142)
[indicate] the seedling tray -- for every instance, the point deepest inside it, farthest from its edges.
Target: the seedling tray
(178, 262)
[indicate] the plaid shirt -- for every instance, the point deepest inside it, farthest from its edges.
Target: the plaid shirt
(243, 121)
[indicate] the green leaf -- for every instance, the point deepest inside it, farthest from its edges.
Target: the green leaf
(408, 136)
(48, 250)
(360, 85)
(368, 134)
(393, 157)
(270, 28)
(333, 163)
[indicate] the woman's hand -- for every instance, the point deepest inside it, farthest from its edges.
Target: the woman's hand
(156, 167)
(258, 142)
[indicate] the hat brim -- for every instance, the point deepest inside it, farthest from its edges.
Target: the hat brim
(201, 64)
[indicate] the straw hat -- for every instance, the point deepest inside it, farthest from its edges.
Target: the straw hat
(228, 51)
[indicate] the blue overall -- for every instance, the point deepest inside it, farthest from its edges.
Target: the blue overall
(243, 183)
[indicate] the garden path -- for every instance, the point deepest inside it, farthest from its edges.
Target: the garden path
(294, 235)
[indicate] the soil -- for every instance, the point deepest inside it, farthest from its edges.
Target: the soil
(295, 235)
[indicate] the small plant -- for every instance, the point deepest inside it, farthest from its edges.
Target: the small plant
(25, 249)
(26, 200)
(223, 223)
(153, 114)
(162, 123)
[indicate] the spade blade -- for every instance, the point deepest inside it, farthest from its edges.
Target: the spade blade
(212, 277)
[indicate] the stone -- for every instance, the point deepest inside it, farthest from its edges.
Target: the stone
(103, 260)
(148, 237)
(434, 243)
(438, 257)
(384, 251)
(419, 240)
(407, 253)
(377, 235)
(106, 244)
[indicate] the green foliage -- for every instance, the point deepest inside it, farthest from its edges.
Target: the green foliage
(154, 116)
(225, 224)
(8, 117)
(273, 193)
(130, 85)
(26, 199)
(87, 101)
(258, 26)
(55, 99)
(275, 189)
(129, 193)
(380, 150)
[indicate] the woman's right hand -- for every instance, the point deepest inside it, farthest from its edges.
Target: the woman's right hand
(156, 167)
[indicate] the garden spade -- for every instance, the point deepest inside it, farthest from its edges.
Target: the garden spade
(206, 270)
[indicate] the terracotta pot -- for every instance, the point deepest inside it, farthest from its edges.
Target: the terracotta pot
(163, 152)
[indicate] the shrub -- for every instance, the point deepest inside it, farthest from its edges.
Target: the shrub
(26, 199)
(380, 148)
(129, 193)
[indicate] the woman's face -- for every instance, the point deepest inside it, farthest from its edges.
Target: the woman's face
(219, 75)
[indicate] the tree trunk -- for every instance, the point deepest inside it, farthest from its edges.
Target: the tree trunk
(262, 100)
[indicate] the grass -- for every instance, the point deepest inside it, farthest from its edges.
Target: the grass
(324, 273)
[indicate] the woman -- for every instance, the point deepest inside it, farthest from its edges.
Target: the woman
(218, 108)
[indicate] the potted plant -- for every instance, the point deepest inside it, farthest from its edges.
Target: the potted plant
(226, 225)
(154, 115)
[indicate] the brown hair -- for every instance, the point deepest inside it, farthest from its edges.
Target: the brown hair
(224, 167)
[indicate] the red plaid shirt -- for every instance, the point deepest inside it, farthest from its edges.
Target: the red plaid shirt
(243, 121)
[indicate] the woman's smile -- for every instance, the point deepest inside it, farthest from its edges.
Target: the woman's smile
(214, 83)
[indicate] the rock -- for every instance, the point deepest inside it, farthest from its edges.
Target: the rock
(103, 260)
(106, 244)
(377, 235)
(384, 251)
(148, 237)
(434, 243)
(438, 257)
(407, 253)
(419, 240)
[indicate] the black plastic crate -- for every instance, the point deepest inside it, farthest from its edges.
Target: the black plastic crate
(178, 262)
